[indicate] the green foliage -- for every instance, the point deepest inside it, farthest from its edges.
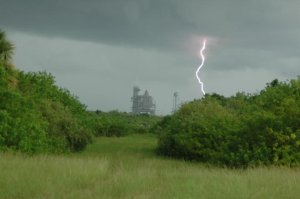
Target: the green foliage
(161, 125)
(35, 114)
(67, 130)
(6, 48)
(116, 123)
(238, 131)
(20, 126)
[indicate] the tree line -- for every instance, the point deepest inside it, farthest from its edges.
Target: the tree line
(238, 131)
(37, 116)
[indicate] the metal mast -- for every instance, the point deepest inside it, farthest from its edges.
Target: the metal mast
(175, 101)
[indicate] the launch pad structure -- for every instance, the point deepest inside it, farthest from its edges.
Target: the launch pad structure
(142, 104)
(175, 102)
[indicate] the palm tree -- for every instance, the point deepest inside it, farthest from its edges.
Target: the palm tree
(6, 48)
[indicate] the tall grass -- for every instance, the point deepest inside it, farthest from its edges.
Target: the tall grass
(127, 167)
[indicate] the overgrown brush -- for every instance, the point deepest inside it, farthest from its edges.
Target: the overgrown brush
(239, 131)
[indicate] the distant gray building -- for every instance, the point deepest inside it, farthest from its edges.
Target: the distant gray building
(142, 104)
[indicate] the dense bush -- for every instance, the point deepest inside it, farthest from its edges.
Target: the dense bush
(160, 126)
(38, 116)
(35, 114)
(239, 131)
(116, 123)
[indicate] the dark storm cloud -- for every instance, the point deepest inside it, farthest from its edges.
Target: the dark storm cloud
(157, 23)
(138, 23)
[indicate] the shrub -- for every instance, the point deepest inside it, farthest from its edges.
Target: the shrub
(37, 116)
(116, 123)
(239, 131)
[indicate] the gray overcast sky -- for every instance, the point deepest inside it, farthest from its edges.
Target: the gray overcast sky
(100, 49)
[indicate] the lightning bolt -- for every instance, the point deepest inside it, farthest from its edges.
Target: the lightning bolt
(202, 63)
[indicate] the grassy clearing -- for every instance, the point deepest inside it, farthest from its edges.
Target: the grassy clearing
(128, 168)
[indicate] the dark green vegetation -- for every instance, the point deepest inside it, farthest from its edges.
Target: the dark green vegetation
(239, 131)
(127, 168)
(35, 114)
(116, 123)
(38, 116)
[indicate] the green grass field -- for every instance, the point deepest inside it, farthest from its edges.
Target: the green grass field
(128, 168)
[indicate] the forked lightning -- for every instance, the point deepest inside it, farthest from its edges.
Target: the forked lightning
(202, 63)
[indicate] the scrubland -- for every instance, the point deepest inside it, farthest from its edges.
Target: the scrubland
(127, 167)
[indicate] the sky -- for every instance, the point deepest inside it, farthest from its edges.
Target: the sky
(100, 49)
